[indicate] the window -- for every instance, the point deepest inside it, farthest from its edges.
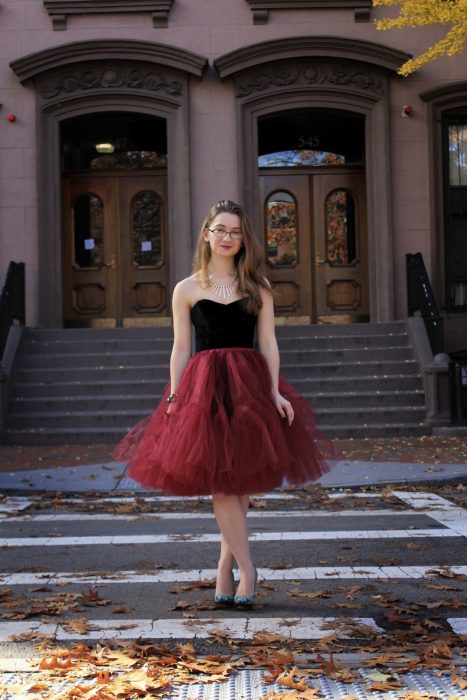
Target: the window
(455, 207)
(281, 230)
(88, 231)
(146, 210)
(340, 228)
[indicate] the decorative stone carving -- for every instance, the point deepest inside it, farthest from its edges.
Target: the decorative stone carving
(60, 9)
(110, 77)
(309, 74)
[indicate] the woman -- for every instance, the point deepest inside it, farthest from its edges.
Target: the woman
(227, 424)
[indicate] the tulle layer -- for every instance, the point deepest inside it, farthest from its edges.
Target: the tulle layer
(226, 435)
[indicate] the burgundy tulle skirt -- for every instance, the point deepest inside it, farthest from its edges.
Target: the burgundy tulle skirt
(226, 435)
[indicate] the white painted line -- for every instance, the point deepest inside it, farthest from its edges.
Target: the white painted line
(440, 509)
(459, 625)
(90, 517)
(13, 504)
(208, 537)
(277, 496)
(326, 573)
(272, 496)
(172, 628)
(356, 494)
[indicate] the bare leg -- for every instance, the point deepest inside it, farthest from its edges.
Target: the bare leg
(226, 558)
(231, 517)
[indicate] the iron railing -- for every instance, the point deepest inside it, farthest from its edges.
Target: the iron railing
(12, 302)
(421, 300)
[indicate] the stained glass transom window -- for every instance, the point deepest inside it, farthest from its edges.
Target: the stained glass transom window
(146, 216)
(281, 230)
(340, 228)
(299, 157)
(88, 231)
(458, 154)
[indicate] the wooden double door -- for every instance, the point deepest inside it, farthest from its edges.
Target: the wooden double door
(314, 226)
(115, 252)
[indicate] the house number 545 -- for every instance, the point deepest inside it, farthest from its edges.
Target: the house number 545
(308, 141)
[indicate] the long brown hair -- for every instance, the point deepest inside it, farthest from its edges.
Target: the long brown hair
(249, 260)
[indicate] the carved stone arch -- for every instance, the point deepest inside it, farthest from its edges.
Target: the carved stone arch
(78, 52)
(107, 76)
(303, 47)
(327, 73)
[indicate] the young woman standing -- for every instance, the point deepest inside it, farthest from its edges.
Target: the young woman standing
(227, 424)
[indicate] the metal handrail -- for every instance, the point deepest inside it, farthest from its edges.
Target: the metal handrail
(12, 302)
(421, 300)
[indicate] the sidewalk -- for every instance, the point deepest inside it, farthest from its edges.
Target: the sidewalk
(367, 462)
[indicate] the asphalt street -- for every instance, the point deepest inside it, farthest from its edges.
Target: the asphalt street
(342, 571)
(153, 561)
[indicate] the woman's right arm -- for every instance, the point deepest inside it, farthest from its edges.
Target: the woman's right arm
(181, 350)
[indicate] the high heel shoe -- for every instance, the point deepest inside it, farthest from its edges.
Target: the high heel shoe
(225, 598)
(246, 601)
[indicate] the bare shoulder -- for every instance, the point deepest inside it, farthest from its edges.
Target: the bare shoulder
(185, 290)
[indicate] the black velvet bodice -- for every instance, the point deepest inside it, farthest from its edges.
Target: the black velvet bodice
(220, 325)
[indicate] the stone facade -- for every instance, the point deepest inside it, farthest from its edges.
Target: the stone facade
(212, 69)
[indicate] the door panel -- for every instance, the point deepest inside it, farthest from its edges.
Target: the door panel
(115, 257)
(90, 290)
(286, 229)
(314, 232)
(144, 278)
(341, 248)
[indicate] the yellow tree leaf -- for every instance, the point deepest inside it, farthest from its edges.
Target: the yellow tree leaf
(420, 13)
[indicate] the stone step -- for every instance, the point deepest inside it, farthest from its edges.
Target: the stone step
(147, 402)
(91, 385)
(92, 347)
(159, 357)
(127, 418)
(124, 345)
(84, 334)
(352, 369)
(376, 430)
(340, 329)
(153, 387)
(286, 331)
(141, 371)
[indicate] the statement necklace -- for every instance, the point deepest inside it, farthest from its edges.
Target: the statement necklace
(223, 290)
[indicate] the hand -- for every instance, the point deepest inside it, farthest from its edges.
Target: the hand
(284, 407)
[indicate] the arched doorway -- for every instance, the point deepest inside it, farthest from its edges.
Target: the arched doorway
(334, 75)
(314, 215)
(115, 239)
(112, 79)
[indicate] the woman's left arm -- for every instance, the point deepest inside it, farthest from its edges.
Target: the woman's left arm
(267, 344)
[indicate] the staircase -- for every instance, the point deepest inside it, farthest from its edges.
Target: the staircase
(90, 385)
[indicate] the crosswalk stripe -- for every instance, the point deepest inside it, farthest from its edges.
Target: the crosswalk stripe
(173, 628)
(90, 517)
(441, 510)
(11, 503)
(459, 625)
(212, 537)
(179, 576)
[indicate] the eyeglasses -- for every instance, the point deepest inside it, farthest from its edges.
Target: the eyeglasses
(235, 235)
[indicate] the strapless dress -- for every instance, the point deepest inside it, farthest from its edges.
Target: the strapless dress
(225, 435)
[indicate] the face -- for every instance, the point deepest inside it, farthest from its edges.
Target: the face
(225, 246)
